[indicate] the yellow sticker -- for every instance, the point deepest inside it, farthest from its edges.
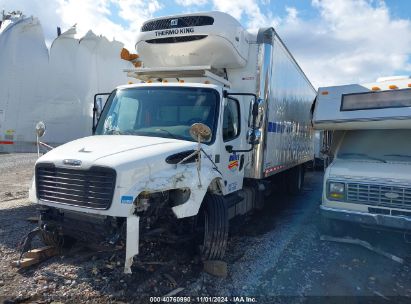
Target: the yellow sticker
(9, 132)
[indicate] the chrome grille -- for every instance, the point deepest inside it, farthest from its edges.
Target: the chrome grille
(372, 194)
(92, 188)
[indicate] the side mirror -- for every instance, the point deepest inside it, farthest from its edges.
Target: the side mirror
(40, 129)
(253, 136)
(257, 111)
(200, 132)
(98, 107)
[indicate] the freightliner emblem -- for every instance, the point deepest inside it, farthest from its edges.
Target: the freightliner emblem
(72, 162)
(391, 195)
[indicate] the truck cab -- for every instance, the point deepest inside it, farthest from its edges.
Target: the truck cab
(369, 180)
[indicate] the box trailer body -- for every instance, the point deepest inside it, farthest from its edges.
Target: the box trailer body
(199, 70)
(56, 87)
(369, 179)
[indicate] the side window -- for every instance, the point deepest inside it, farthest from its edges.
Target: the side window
(231, 120)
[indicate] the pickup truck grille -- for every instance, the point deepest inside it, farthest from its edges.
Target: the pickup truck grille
(379, 195)
(92, 188)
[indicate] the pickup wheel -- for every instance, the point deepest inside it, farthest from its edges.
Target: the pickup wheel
(212, 228)
(295, 180)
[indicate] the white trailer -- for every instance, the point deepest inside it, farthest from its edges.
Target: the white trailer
(220, 114)
(369, 179)
(57, 88)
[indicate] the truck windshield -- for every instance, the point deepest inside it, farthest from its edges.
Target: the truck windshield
(158, 111)
(376, 145)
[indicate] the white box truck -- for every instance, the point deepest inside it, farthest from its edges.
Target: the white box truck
(369, 180)
(219, 113)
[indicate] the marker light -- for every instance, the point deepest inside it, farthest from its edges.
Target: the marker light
(207, 82)
(130, 82)
(375, 88)
(181, 81)
(393, 87)
(324, 93)
(165, 81)
(409, 85)
(149, 81)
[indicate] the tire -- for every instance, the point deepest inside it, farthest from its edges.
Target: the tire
(332, 227)
(295, 180)
(212, 228)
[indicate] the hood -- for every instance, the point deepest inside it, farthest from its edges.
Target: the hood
(368, 170)
(110, 150)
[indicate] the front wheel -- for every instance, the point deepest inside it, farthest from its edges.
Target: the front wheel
(212, 228)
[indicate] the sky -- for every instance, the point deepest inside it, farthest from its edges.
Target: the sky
(334, 41)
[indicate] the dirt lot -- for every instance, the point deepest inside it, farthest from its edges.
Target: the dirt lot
(276, 255)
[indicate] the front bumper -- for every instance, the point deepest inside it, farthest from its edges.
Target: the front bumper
(389, 221)
(92, 227)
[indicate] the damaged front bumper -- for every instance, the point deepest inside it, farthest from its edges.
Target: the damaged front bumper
(383, 220)
(94, 228)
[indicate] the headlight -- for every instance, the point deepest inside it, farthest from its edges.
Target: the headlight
(336, 191)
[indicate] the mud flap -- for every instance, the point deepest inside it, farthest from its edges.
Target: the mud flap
(132, 241)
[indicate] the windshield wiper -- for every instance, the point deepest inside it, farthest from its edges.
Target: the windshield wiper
(363, 155)
(171, 134)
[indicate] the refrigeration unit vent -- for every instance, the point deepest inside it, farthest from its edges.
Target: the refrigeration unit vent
(170, 23)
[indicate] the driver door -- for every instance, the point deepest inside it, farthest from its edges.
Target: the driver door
(233, 134)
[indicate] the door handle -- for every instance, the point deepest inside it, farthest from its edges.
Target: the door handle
(241, 162)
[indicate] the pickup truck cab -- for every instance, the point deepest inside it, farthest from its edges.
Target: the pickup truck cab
(369, 180)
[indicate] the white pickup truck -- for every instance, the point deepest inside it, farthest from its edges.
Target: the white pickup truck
(369, 180)
(218, 114)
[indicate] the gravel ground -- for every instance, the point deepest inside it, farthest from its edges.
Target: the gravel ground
(16, 171)
(274, 255)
